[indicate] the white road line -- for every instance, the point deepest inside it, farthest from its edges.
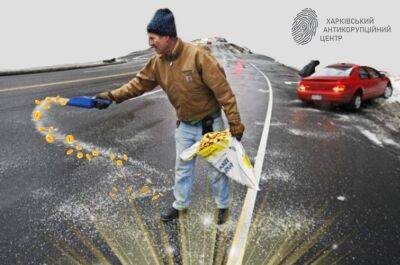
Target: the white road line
(291, 82)
(262, 90)
(67, 82)
(238, 247)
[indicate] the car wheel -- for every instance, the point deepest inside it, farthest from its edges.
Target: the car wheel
(388, 91)
(356, 101)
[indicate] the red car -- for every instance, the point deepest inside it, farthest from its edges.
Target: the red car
(344, 84)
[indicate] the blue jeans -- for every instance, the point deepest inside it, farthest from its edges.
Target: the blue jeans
(185, 136)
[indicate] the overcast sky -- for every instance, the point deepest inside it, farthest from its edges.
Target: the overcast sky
(49, 32)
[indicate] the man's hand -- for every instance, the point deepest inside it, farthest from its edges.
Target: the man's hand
(239, 137)
(103, 96)
(237, 130)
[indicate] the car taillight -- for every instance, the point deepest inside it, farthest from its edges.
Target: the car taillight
(302, 88)
(339, 88)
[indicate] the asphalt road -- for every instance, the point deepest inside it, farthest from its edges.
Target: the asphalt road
(329, 188)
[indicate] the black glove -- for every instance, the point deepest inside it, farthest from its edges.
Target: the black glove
(102, 100)
(239, 136)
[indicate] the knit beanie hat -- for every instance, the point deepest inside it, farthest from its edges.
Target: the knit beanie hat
(163, 23)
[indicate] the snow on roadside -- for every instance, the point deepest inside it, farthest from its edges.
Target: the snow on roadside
(395, 80)
(371, 136)
(378, 138)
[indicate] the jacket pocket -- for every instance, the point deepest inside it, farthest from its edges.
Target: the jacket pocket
(191, 82)
(188, 76)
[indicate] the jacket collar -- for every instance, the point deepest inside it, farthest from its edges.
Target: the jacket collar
(175, 52)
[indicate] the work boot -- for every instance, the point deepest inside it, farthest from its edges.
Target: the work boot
(170, 214)
(223, 215)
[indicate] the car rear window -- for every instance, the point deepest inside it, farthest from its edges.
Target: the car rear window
(334, 71)
(373, 72)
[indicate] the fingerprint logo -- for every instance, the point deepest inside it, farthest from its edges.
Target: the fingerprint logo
(304, 26)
